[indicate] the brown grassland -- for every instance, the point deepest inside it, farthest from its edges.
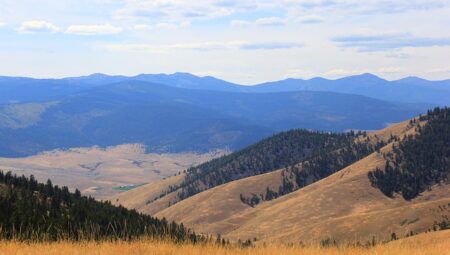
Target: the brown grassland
(435, 243)
(343, 206)
(100, 172)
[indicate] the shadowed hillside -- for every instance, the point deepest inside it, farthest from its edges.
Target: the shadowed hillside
(342, 206)
(270, 154)
(168, 119)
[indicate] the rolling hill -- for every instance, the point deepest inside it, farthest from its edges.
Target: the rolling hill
(346, 205)
(168, 119)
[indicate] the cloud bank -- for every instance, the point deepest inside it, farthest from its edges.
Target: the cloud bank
(38, 26)
(204, 46)
(388, 41)
(103, 29)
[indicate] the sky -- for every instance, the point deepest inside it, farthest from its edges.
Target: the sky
(243, 41)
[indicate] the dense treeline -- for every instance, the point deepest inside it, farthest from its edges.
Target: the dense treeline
(278, 151)
(34, 211)
(318, 167)
(418, 161)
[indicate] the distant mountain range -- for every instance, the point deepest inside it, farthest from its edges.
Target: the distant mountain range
(183, 112)
(409, 89)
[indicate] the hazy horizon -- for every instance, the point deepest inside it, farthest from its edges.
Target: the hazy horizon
(231, 81)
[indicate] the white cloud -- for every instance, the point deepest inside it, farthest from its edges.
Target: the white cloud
(397, 55)
(142, 27)
(270, 21)
(278, 21)
(266, 21)
(177, 10)
(392, 41)
(203, 46)
(310, 19)
(367, 7)
(152, 48)
(103, 29)
(2, 24)
(140, 47)
(271, 46)
(185, 24)
(420, 23)
(36, 26)
(207, 45)
(240, 23)
(165, 25)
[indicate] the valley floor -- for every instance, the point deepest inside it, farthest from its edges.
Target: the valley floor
(103, 172)
(435, 243)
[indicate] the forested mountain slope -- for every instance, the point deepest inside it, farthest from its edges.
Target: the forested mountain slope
(346, 205)
(419, 161)
(278, 151)
(34, 211)
(168, 119)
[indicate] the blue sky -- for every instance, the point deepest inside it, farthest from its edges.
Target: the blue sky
(241, 41)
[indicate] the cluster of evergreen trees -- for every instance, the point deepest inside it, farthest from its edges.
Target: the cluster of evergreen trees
(318, 167)
(418, 161)
(278, 151)
(34, 211)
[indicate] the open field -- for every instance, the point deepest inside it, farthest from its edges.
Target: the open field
(103, 172)
(435, 243)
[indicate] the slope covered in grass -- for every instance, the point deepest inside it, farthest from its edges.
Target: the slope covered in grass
(343, 206)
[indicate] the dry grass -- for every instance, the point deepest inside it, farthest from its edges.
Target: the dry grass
(425, 244)
(344, 206)
(99, 172)
(150, 248)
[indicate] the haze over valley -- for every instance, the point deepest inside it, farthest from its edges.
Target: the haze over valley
(225, 127)
(56, 130)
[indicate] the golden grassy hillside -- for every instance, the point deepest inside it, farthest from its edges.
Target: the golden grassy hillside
(343, 206)
(140, 197)
(436, 243)
(220, 210)
(143, 198)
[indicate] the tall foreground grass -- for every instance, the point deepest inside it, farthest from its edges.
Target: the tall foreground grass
(434, 245)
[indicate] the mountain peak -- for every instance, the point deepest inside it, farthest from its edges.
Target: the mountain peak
(184, 74)
(412, 79)
(96, 75)
(365, 77)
